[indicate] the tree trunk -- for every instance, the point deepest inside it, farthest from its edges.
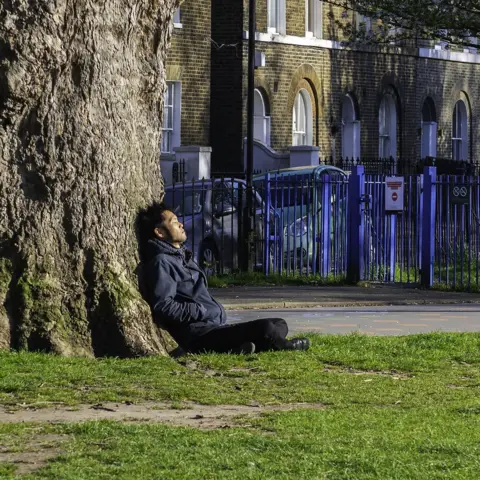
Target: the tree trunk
(81, 102)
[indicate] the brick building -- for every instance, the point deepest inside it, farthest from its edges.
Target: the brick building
(406, 102)
(400, 101)
(186, 123)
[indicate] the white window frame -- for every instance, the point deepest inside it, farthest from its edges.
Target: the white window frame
(276, 17)
(173, 104)
(261, 121)
(177, 22)
(387, 127)
(460, 131)
(314, 18)
(302, 131)
(350, 129)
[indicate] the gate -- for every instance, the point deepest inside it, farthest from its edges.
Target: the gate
(392, 240)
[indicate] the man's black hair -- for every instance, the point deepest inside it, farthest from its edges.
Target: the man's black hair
(148, 219)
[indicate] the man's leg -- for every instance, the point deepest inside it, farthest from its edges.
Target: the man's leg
(265, 333)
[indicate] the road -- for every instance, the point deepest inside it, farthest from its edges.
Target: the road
(390, 320)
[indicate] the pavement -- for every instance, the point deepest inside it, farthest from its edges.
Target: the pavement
(281, 297)
(377, 320)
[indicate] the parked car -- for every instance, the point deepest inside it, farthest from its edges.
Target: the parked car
(212, 213)
(298, 197)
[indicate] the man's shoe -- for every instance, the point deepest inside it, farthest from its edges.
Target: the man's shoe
(246, 348)
(300, 343)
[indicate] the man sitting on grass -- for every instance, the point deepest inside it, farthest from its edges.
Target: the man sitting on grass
(176, 289)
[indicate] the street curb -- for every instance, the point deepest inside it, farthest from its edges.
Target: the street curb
(379, 303)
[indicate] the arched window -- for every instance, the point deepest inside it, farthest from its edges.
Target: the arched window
(387, 127)
(261, 128)
(429, 129)
(350, 129)
(302, 126)
(460, 132)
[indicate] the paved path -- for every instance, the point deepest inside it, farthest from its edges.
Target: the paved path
(391, 320)
(237, 298)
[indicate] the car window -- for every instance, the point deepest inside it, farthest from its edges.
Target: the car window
(333, 173)
(294, 190)
(185, 201)
(233, 194)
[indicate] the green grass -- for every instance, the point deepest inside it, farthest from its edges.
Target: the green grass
(360, 443)
(260, 279)
(326, 373)
(395, 408)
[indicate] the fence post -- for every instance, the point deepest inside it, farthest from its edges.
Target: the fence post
(428, 225)
(355, 222)
(266, 227)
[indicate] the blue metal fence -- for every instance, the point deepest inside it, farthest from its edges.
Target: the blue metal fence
(392, 241)
(331, 225)
(457, 231)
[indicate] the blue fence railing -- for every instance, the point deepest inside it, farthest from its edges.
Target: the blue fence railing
(334, 225)
(308, 234)
(457, 231)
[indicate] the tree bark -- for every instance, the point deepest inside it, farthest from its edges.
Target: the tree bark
(81, 102)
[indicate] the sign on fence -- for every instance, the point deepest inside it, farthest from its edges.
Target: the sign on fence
(394, 188)
(460, 194)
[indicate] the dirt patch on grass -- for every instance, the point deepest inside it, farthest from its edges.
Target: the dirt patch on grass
(34, 453)
(185, 414)
(396, 375)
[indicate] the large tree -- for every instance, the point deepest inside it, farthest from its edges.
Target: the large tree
(81, 100)
(454, 22)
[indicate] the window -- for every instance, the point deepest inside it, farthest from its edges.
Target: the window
(472, 47)
(387, 128)
(350, 129)
(460, 132)
(363, 23)
(429, 129)
(171, 117)
(314, 18)
(261, 127)
(302, 119)
(176, 18)
(276, 16)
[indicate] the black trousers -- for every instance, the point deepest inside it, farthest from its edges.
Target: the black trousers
(265, 333)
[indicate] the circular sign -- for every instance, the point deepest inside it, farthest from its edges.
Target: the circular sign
(394, 196)
(460, 191)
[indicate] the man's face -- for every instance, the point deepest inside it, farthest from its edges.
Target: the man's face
(171, 230)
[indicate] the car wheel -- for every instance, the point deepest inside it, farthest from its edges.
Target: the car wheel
(209, 258)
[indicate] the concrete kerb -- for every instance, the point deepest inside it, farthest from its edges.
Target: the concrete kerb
(282, 305)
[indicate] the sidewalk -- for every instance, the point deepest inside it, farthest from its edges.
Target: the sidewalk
(239, 298)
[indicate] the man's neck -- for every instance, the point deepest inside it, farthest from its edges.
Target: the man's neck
(176, 245)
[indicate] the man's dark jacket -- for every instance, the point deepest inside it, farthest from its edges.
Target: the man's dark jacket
(176, 289)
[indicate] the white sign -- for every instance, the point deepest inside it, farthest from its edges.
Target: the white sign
(394, 188)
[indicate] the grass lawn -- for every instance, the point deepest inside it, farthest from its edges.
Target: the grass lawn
(395, 407)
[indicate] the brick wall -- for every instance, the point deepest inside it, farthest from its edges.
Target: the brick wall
(189, 61)
(328, 75)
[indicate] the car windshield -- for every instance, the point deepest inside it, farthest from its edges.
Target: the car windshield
(184, 201)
